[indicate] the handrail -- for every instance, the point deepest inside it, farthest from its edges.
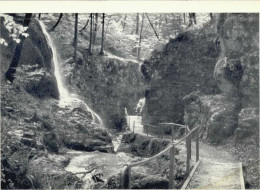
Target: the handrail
(126, 175)
(176, 124)
(165, 150)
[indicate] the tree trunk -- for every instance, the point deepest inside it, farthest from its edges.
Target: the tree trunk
(192, 19)
(90, 34)
(184, 18)
(137, 24)
(85, 27)
(140, 39)
(211, 16)
(151, 26)
(53, 28)
(17, 52)
(124, 21)
(95, 30)
(76, 38)
(103, 35)
(39, 16)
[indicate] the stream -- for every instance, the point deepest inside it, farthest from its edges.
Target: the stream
(107, 164)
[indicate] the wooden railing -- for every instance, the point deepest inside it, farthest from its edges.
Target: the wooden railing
(159, 130)
(126, 174)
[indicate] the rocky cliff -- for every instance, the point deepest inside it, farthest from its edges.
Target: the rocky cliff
(235, 109)
(185, 64)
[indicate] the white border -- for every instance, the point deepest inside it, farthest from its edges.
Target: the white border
(128, 6)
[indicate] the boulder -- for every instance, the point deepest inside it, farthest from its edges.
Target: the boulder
(152, 182)
(47, 173)
(248, 122)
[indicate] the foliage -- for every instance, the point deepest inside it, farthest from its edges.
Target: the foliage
(15, 30)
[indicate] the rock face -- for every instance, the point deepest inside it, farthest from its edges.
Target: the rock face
(215, 114)
(35, 66)
(238, 65)
(109, 86)
(235, 109)
(185, 64)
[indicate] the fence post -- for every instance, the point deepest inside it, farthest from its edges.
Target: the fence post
(172, 131)
(197, 145)
(190, 136)
(171, 172)
(188, 154)
(162, 131)
(134, 127)
(126, 177)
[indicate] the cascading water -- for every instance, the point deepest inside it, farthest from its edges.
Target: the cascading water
(66, 99)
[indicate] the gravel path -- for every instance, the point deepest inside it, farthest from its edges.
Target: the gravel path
(218, 170)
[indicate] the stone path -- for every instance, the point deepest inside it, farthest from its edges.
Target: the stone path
(217, 170)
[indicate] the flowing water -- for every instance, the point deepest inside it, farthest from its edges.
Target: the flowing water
(66, 99)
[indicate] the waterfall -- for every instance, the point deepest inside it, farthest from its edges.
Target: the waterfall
(66, 99)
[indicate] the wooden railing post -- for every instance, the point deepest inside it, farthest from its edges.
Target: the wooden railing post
(172, 131)
(197, 145)
(188, 153)
(126, 177)
(171, 172)
(190, 137)
(161, 130)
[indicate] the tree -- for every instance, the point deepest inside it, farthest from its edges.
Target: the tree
(192, 19)
(140, 39)
(137, 24)
(90, 33)
(56, 24)
(75, 41)
(9, 75)
(85, 27)
(39, 16)
(103, 35)
(152, 27)
(124, 22)
(211, 16)
(95, 29)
